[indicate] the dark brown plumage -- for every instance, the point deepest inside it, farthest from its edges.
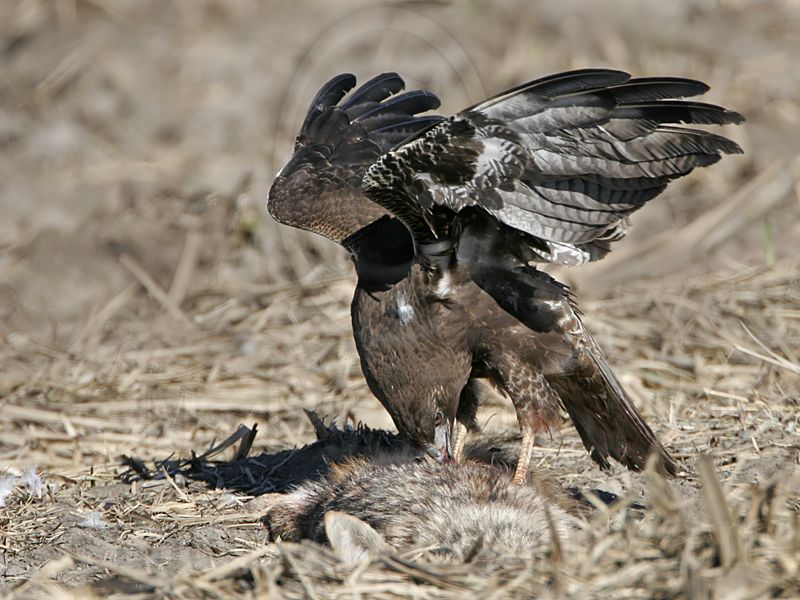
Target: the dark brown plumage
(445, 219)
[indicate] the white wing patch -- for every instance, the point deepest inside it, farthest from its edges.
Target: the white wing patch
(564, 254)
(567, 318)
(444, 287)
(405, 312)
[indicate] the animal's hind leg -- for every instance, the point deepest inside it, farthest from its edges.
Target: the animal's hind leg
(465, 418)
(535, 402)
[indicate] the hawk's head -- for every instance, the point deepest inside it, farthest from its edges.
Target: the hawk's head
(428, 424)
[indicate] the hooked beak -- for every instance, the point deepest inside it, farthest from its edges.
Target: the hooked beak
(441, 449)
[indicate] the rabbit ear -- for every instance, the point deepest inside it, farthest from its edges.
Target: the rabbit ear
(352, 539)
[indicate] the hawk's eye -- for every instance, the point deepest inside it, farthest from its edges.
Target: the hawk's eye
(438, 419)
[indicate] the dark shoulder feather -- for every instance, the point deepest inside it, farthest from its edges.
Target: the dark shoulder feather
(319, 188)
(369, 115)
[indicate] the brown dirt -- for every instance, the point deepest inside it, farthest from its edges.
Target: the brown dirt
(148, 305)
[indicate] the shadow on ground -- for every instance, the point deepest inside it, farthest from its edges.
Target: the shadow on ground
(279, 472)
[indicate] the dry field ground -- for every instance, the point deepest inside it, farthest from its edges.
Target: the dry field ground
(149, 306)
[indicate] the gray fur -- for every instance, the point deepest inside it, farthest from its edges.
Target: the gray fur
(458, 511)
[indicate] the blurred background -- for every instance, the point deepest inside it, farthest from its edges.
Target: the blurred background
(147, 301)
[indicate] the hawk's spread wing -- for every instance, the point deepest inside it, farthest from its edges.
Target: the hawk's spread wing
(319, 189)
(564, 159)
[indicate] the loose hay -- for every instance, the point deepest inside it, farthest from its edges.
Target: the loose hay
(130, 323)
(716, 398)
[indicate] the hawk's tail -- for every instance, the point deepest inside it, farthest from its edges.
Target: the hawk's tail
(605, 417)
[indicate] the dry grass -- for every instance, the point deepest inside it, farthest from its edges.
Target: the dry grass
(147, 307)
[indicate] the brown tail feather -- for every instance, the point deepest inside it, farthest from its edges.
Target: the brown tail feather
(606, 419)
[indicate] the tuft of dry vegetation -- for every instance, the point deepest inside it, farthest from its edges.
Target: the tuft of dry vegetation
(148, 306)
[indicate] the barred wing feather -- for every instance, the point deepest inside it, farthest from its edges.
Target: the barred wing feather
(564, 159)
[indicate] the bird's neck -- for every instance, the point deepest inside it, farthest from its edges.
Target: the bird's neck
(382, 252)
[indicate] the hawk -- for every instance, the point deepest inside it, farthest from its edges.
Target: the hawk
(446, 220)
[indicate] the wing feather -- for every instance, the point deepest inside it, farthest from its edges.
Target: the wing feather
(319, 189)
(565, 159)
(376, 89)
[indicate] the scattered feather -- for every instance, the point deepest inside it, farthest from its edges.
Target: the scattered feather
(93, 519)
(7, 485)
(33, 482)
